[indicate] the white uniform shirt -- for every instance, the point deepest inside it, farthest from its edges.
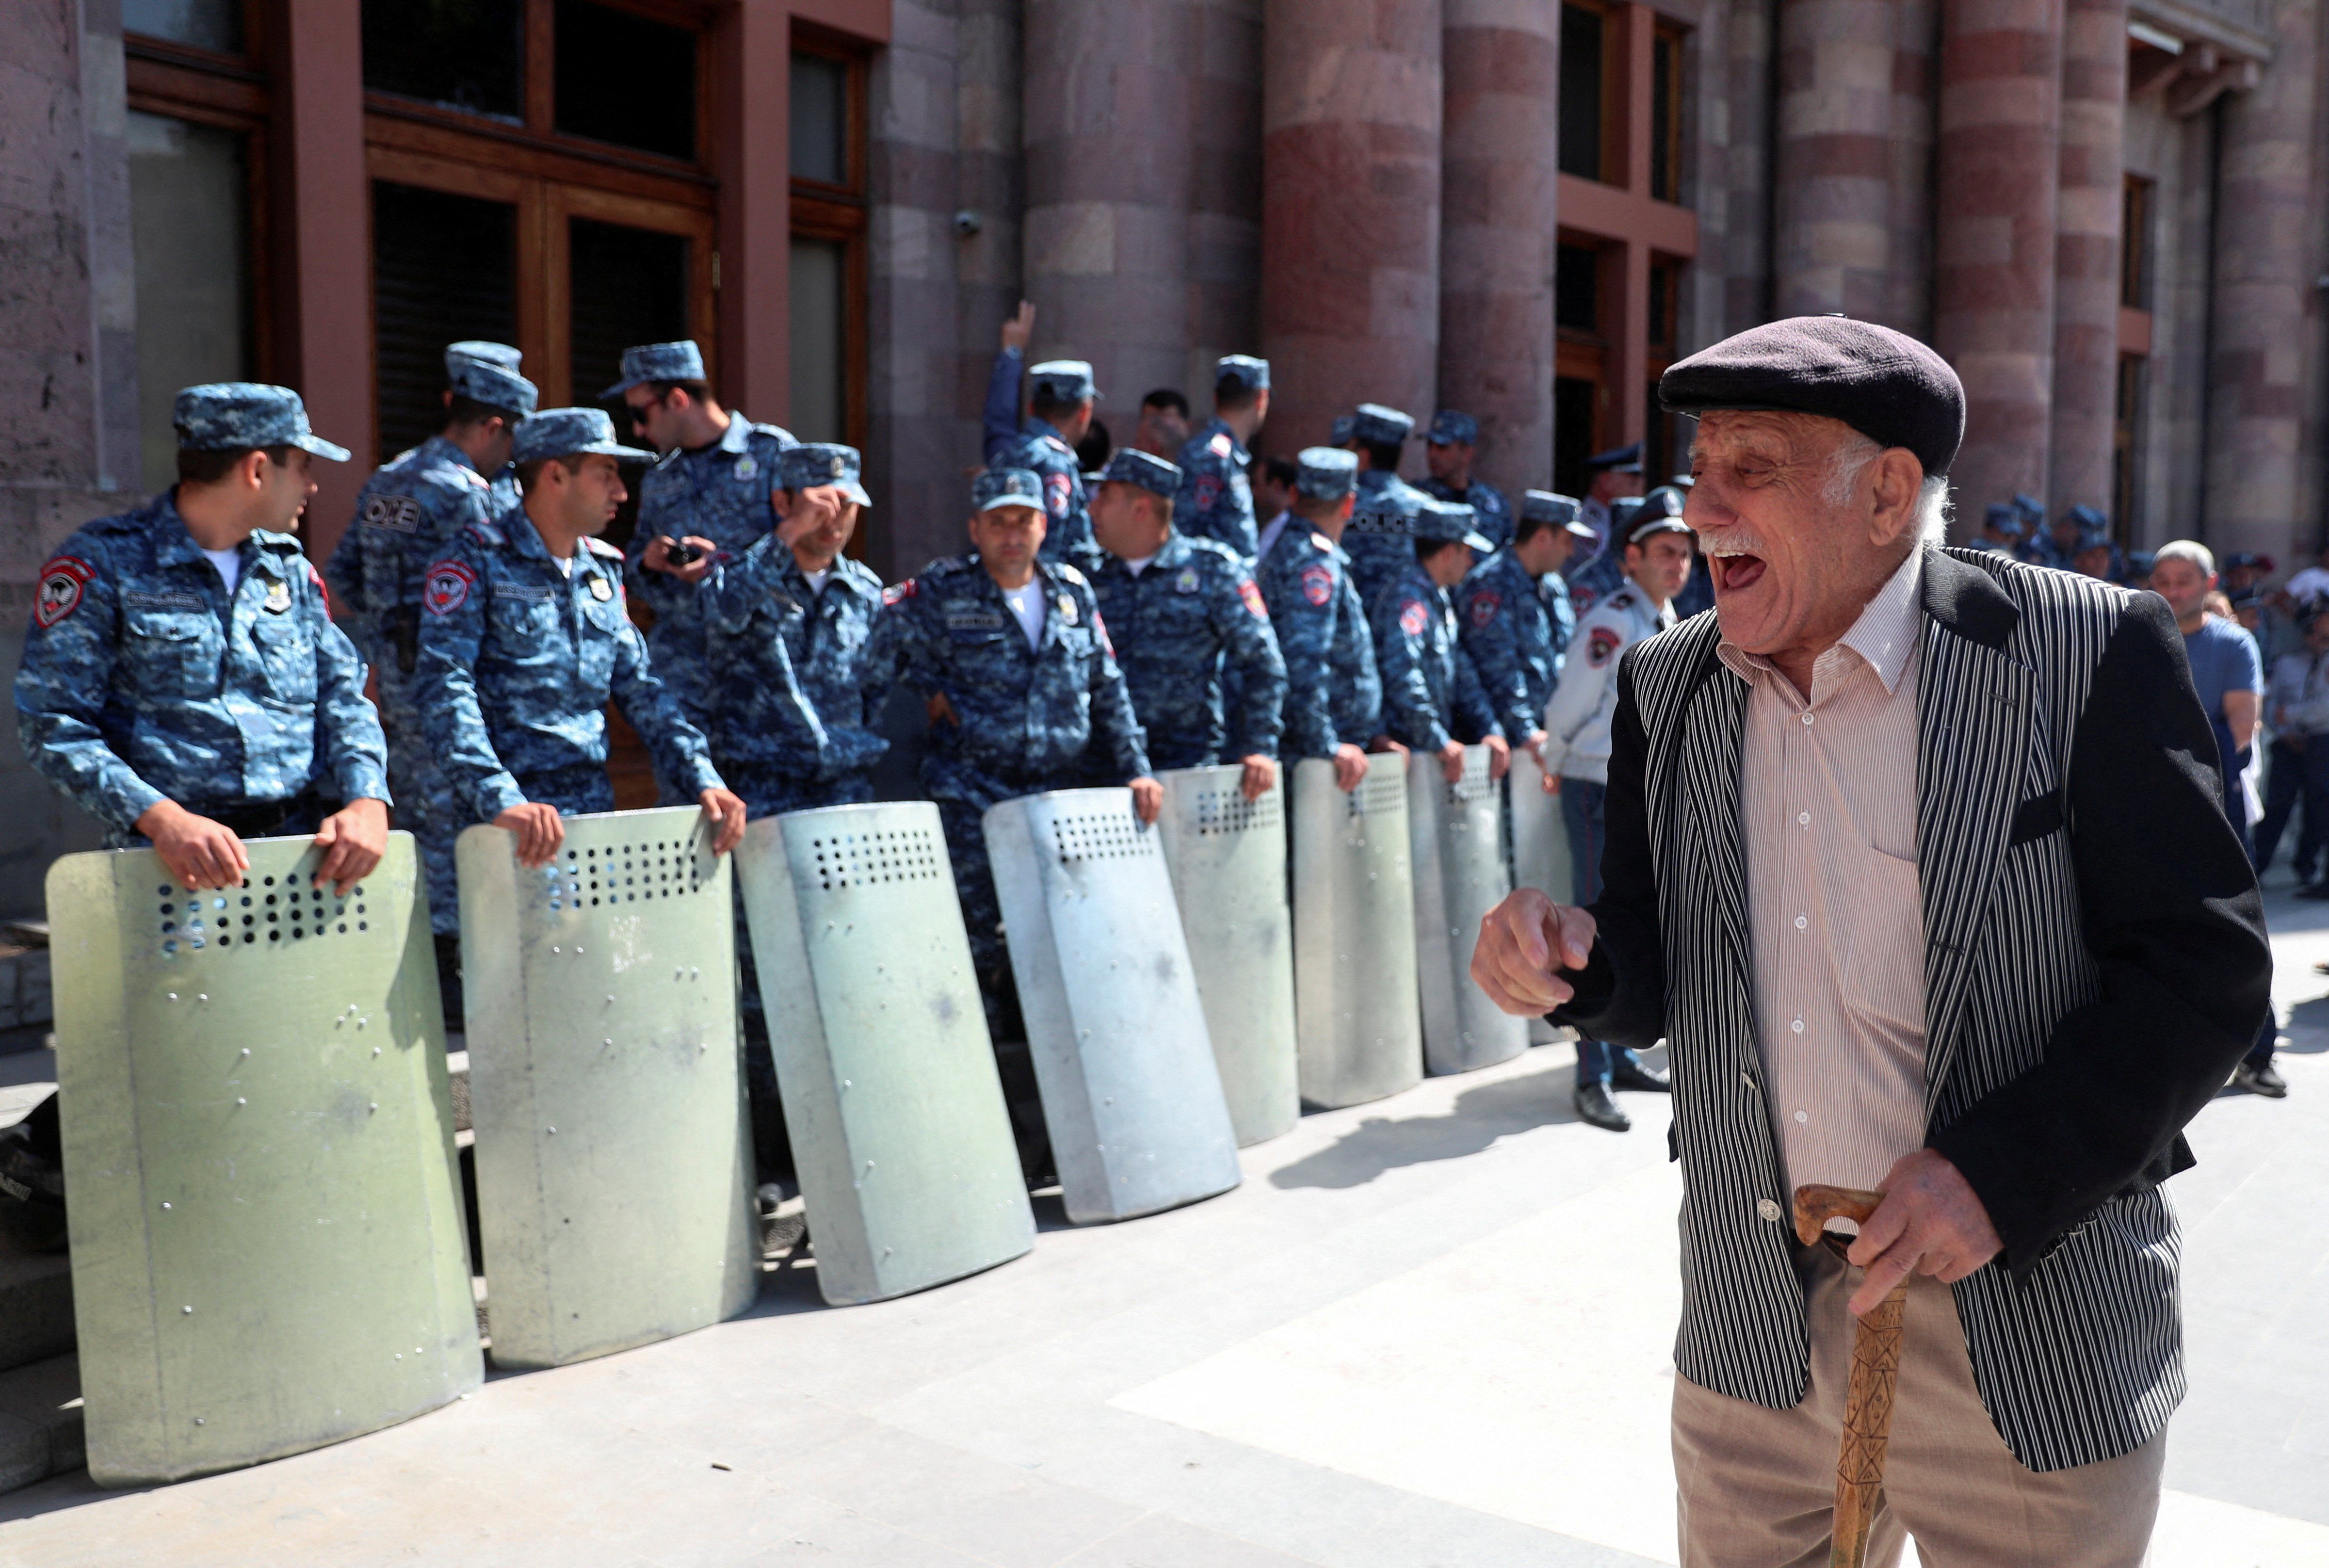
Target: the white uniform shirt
(1576, 718)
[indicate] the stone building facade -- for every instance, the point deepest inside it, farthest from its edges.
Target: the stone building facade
(2113, 215)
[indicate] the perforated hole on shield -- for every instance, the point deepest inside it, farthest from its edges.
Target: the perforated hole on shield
(594, 876)
(260, 911)
(1223, 811)
(1382, 790)
(1094, 836)
(1475, 784)
(880, 855)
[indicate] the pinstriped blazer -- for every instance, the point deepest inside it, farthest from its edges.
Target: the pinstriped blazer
(2095, 966)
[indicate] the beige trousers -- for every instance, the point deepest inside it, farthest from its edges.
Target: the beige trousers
(1758, 1487)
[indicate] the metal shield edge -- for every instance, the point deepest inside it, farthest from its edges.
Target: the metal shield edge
(1358, 1019)
(1456, 831)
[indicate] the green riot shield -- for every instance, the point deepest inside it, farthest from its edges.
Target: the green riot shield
(899, 1130)
(614, 1165)
(267, 1236)
(1227, 856)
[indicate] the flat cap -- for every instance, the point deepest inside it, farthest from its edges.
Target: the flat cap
(1326, 473)
(1007, 487)
(1066, 380)
(569, 433)
(225, 416)
(1130, 465)
(1883, 383)
(647, 361)
(814, 465)
(1380, 427)
(1241, 372)
(1450, 427)
(1438, 521)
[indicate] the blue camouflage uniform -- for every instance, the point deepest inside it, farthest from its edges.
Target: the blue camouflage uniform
(1492, 514)
(406, 515)
(1431, 691)
(1193, 608)
(1380, 540)
(1605, 574)
(1216, 498)
(1042, 451)
(1024, 717)
(518, 660)
(144, 679)
(504, 487)
(797, 692)
(1333, 694)
(1506, 623)
(721, 493)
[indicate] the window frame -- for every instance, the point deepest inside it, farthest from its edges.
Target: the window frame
(841, 214)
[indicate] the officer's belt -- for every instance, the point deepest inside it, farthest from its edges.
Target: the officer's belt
(261, 818)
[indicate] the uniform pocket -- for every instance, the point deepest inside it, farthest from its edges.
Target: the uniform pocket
(287, 661)
(173, 654)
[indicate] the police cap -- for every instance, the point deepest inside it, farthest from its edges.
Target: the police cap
(1326, 473)
(647, 361)
(1151, 473)
(1451, 429)
(1377, 426)
(814, 464)
(1006, 488)
(227, 416)
(1064, 380)
(569, 433)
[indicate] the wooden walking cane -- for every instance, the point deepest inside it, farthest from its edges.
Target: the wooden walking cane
(1875, 1373)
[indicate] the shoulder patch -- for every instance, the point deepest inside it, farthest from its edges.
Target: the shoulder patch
(1317, 584)
(1603, 645)
(448, 587)
(322, 592)
(1413, 618)
(600, 547)
(397, 513)
(1485, 605)
(1070, 574)
(59, 595)
(1251, 593)
(489, 533)
(899, 592)
(1058, 445)
(1621, 599)
(1220, 445)
(1058, 493)
(1206, 491)
(1325, 545)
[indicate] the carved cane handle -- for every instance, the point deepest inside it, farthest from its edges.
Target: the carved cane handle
(1815, 1206)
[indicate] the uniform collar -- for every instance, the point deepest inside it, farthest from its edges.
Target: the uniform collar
(437, 449)
(1218, 426)
(733, 440)
(175, 544)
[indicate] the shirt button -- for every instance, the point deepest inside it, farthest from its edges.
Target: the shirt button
(1801, 923)
(1807, 719)
(1801, 1117)
(1768, 1209)
(1804, 819)
(1797, 1026)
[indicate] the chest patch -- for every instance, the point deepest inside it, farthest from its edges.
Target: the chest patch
(1413, 618)
(601, 590)
(1317, 585)
(397, 513)
(1068, 612)
(1603, 645)
(448, 588)
(1187, 581)
(1483, 609)
(746, 467)
(279, 597)
(61, 581)
(1251, 593)
(973, 620)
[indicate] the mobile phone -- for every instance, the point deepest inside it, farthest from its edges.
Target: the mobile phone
(679, 553)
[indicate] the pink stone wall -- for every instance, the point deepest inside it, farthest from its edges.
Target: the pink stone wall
(2089, 206)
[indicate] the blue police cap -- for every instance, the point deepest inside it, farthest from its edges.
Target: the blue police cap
(647, 361)
(2141, 562)
(1377, 426)
(1326, 473)
(569, 433)
(1339, 432)
(226, 416)
(2032, 510)
(1452, 428)
(483, 353)
(1146, 469)
(1625, 460)
(2088, 518)
(1659, 511)
(2002, 516)
(1240, 372)
(813, 464)
(1561, 511)
(493, 384)
(1062, 380)
(2093, 539)
(1438, 521)
(1006, 488)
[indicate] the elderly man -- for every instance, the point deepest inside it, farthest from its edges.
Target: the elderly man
(1915, 859)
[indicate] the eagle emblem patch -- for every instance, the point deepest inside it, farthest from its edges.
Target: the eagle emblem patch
(1603, 645)
(448, 588)
(1483, 609)
(279, 597)
(1317, 585)
(59, 595)
(1413, 618)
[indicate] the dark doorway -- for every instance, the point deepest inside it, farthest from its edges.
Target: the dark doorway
(443, 268)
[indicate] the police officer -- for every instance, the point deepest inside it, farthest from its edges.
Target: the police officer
(797, 693)
(1432, 698)
(1176, 609)
(407, 514)
(505, 493)
(1513, 615)
(1216, 500)
(1060, 394)
(1449, 451)
(2039, 546)
(2001, 530)
(182, 683)
(1657, 553)
(1606, 572)
(1615, 476)
(1334, 698)
(525, 636)
(1381, 542)
(711, 493)
(1008, 653)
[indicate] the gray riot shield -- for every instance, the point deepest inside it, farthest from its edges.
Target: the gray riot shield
(613, 1167)
(267, 1249)
(1458, 838)
(1227, 856)
(1539, 850)
(1359, 1022)
(1131, 1096)
(898, 1131)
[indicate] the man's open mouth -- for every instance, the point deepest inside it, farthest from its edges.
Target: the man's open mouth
(1735, 571)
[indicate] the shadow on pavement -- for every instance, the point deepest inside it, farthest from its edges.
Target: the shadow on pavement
(1479, 1119)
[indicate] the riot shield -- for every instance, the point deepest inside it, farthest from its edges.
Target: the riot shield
(1359, 1024)
(899, 1130)
(1131, 1096)
(1227, 856)
(1539, 851)
(268, 1251)
(614, 1167)
(1458, 838)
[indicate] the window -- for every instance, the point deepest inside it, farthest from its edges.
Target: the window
(2134, 245)
(1582, 65)
(213, 24)
(827, 309)
(466, 55)
(443, 268)
(820, 119)
(189, 226)
(625, 285)
(1665, 116)
(625, 79)
(1576, 289)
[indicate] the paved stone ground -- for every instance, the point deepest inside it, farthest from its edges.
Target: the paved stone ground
(1431, 1333)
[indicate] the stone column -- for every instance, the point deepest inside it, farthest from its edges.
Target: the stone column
(1109, 147)
(1350, 223)
(1499, 172)
(2265, 315)
(2090, 208)
(1998, 169)
(1834, 188)
(1225, 191)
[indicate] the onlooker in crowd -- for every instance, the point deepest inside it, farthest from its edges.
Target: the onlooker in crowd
(2296, 702)
(1094, 450)
(2244, 569)
(1164, 427)
(1273, 497)
(2312, 582)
